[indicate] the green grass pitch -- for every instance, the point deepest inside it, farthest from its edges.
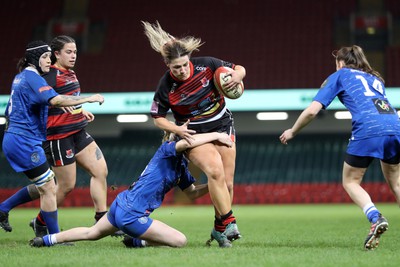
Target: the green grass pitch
(273, 235)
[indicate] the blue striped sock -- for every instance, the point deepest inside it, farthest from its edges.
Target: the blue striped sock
(47, 241)
(371, 212)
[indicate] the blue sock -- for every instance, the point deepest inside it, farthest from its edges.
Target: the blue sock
(371, 212)
(51, 220)
(47, 240)
(373, 216)
(20, 197)
(137, 243)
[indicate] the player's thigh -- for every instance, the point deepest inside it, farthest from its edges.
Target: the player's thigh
(206, 157)
(162, 233)
(65, 176)
(92, 160)
(352, 174)
(391, 173)
(228, 156)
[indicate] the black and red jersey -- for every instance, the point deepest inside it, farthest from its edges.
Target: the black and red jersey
(196, 98)
(62, 124)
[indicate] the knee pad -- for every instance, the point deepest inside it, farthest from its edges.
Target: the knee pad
(43, 178)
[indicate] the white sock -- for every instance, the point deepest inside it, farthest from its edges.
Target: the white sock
(53, 239)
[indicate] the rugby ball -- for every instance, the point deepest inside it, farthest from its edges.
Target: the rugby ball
(221, 77)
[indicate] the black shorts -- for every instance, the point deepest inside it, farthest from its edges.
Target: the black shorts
(365, 161)
(223, 125)
(62, 151)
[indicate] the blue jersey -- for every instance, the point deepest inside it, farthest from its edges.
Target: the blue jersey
(165, 170)
(28, 105)
(364, 96)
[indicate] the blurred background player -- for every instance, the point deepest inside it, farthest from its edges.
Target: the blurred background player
(375, 130)
(67, 141)
(131, 209)
(26, 114)
(187, 89)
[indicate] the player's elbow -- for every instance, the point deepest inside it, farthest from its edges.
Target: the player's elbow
(55, 101)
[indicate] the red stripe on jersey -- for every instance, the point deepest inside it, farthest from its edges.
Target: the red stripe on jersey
(197, 96)
(61, 135)
(64, 124)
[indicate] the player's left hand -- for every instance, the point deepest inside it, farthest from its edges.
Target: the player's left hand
(234, 81)
(286, 136)
(88, 115)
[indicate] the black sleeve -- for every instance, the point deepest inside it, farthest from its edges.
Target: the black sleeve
(160, 105)
(50, 78)
(212, 62)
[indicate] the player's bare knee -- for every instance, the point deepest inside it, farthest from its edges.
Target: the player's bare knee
(215, 173)
(100, 173)
(65, 190)
(180, 242)
(229, 185)
(33, 191)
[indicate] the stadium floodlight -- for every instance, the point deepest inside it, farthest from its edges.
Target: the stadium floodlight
(343, 115)
(272, 116)
(132, 118)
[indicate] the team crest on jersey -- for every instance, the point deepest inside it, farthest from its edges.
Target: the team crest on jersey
(205, 82)
(143, 220)
(69, 154)
(35, 157)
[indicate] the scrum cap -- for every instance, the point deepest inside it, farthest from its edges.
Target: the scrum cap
(34, 50)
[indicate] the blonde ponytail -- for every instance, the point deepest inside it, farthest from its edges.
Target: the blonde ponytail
(167, 45)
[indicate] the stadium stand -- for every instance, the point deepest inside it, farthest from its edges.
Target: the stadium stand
(282, 44)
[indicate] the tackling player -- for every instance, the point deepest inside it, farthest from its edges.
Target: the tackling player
(130, 211)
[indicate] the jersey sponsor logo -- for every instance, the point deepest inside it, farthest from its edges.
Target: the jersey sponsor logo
(205, 103)
(45, 88)
(69, 154)
(383, 106)
(205, 82)
(35, 157)
(173, 88)
(199, 68)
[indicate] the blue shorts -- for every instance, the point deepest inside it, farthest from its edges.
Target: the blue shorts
(385, 148)
(128, 222)
(23, 153)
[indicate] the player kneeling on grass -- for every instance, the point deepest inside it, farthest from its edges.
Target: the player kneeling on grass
(131, 209)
